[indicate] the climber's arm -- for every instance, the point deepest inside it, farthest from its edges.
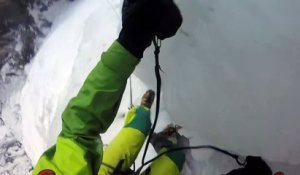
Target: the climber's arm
(79, 149)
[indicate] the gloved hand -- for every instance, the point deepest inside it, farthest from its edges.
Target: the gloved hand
(144, 19)
(254, 166)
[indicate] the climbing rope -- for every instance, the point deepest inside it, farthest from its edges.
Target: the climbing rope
(238, 159)
(234, 156)
(157, 45)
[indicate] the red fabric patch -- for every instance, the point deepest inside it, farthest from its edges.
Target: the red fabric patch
(46, 172)
(279, 173)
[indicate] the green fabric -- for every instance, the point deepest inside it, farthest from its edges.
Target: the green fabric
(141, 121)
(129, 141)
(164, 165)
(125, 146)
(178, 157)
(78, 149)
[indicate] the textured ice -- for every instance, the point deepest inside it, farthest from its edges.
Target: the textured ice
(232, 74)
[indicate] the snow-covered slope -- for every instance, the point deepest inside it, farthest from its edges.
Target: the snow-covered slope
(60, 66)
(232, 76)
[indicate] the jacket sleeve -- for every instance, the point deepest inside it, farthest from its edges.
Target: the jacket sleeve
(78, 149)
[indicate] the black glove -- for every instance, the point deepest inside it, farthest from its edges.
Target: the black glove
(144, 19)
(254, 166)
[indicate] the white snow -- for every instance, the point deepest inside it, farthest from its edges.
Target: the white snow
(232, 77)
(60, 66)
(12, 156)
(42, 15)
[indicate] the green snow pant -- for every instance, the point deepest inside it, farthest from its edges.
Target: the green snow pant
(128, 143)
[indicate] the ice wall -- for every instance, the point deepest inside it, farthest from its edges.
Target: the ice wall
(232, 75)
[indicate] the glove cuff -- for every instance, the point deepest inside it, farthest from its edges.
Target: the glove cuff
(135, 42)
(141, 120)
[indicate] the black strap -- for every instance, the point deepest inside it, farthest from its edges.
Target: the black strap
(117, 170)
(234, 156)
(157, 45)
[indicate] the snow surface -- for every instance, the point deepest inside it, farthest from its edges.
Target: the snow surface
(232, 78)
(13, 159)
